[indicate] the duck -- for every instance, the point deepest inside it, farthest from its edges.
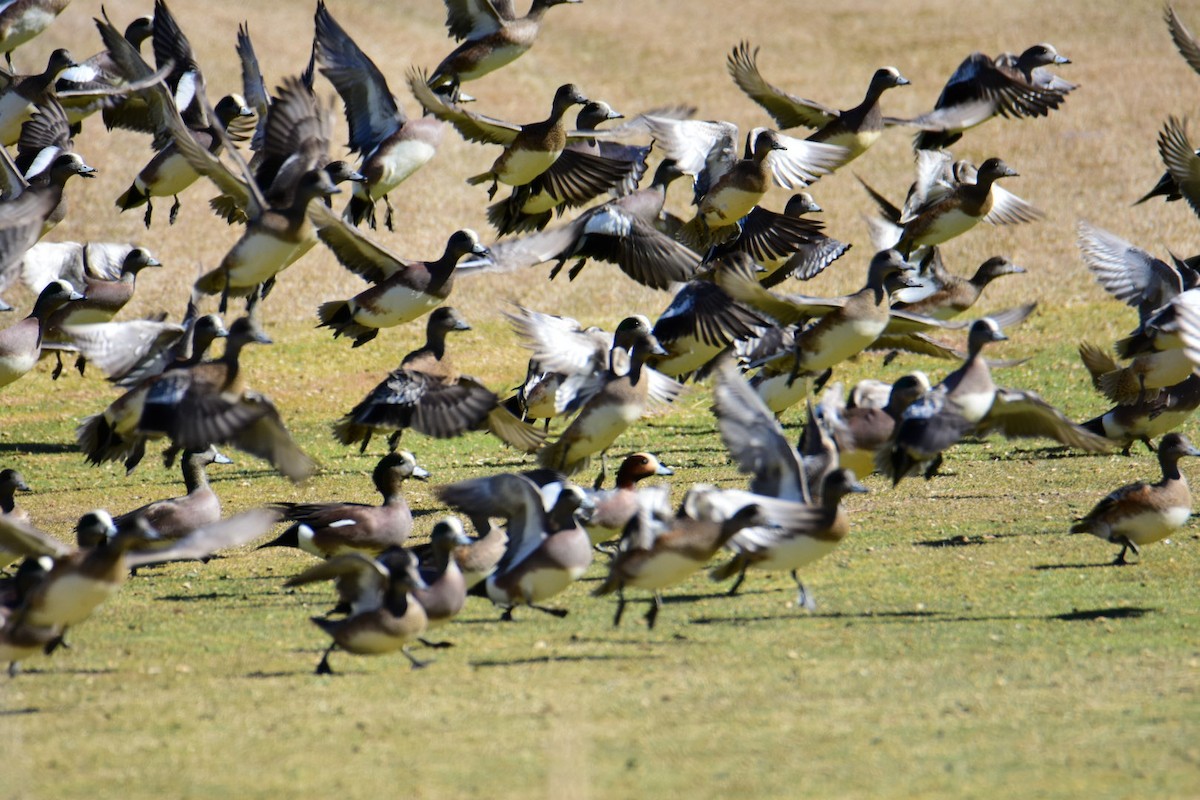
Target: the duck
(548, 547)
(169, 173)
(661, 547)
(615, 507)
(133, 351)
(384, 615)
(209, 404)
(614, 400)
(844, 328)
(584, 171)
(952, 213)
(492, 36)
(727, 187)
(1185, 41)
(968, 400)
(197, 404)
(31, 207)
(330, 529)
(1156, 414)
(445, 592)
(112, 434)
(789, 549)
(529, 150)
(859, 431)
(80, 579)
(1139, 514)
(11, 482)
(855, 128)
(176, 517)
(22, 20)
(21, 343)
(784, 245)
(404, 290)
(100, 73)
(428, 394)
(1182, 164)
(982, 87)
(21, 94)
(625, 231)
(948, 295)
(391, 146)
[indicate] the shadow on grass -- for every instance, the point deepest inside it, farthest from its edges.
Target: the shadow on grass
(876, 616)
(18, 712)
(1041, 567)
(1094, 614)
(963, 540)
(514, 662)
(38, 447)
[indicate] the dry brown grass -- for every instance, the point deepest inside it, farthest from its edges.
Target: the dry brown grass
(931, 671)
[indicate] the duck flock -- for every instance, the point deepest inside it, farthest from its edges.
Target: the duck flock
(562, 191)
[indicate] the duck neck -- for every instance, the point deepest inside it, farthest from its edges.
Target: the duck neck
(1170, 466)
(195, 477)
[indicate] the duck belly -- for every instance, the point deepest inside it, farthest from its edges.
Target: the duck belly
(662, 570)
(167, 177)
(975, 406)
(725, 205)
(395, 166)
(14, 112)
(781, 392)
(793, 553)
(599, 427)
(370, 642)
(13, 367)
(540, 584)
(70, 599)
(829, 345)
(1152, 526)
(494, 58)
(945, 227)
(517, 167)
(386, 306)
(256, 258)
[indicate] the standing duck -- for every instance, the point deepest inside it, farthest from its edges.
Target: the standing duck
(21, 343)
(1143, 513)
(329, 529)
(177, 517)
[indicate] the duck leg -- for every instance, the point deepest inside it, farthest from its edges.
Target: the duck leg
(58, 367)
(603, 476)
(803, 600)
(1126, 545)
(323, 668)
(737, 583)
(174, 211)
(149, 212)
(575, 270)
(388, 220)
(394, 441)
(620, 606)
(655, 606)
(416, 664)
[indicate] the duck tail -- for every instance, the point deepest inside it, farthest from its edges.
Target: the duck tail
(1097, 362)
(289, 538)
(348, 431)
(358, 209)
(132, 198)
(225, 207)
(95, 437)
(338, 315)
(1120, 385)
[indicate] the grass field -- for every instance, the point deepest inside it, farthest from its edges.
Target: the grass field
(963, 644)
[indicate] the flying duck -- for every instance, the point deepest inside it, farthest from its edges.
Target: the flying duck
(391, 146)
(856, 128)
(428, 394)
(492, 36)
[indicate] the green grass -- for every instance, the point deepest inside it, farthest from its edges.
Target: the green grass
(963, 645)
